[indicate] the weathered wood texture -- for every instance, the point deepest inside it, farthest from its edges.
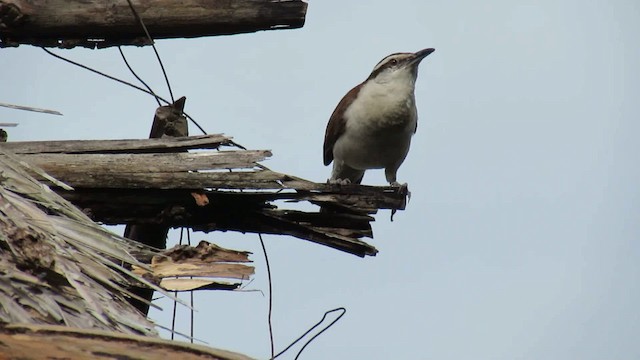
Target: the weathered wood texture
(213, 141)
(32, 342)
(97, 23)
(135, 193)
(149, 163)
(175, 269)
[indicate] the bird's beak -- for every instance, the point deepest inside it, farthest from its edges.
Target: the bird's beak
(418, 56)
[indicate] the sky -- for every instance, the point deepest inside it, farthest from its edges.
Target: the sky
(520, 240)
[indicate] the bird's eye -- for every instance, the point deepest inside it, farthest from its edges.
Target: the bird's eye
(393, 62)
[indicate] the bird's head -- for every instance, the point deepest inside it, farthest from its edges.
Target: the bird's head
(399, 67)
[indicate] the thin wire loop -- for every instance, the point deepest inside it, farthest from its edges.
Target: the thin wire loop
(124, 58)
(344, 311)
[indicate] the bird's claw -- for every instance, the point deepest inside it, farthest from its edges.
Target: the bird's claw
(402, 188)
(339, 181)
(398, 185)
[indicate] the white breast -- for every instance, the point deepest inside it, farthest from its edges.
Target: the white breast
(379, 125)
(382, 105)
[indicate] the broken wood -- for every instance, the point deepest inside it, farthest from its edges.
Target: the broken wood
(207, 262)
(130, 186)
(95, 23)
(231, 211)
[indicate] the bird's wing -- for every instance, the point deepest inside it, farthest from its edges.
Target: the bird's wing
(337, 124)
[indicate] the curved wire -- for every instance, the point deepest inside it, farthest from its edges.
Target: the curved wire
(266, 259)
(344, 311)
(124, 58)
(130, 85)
(144, 27)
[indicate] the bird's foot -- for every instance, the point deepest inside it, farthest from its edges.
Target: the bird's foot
(339, 181)
(396, 184)
(402, 188)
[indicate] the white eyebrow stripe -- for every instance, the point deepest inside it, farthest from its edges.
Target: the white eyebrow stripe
(383, 61)
(386, 59)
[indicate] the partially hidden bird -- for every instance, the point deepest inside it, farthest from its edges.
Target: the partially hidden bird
(372, 126)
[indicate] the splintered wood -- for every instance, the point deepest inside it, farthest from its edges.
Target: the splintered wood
(176, 267)
(153, 181)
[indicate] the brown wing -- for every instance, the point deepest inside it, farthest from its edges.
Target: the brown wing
(337, 123)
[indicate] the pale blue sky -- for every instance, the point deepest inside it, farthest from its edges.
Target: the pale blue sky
(521, 237)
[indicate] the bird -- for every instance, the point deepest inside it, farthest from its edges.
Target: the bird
(371, 127)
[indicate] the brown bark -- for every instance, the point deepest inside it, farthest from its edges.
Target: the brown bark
(90, 23)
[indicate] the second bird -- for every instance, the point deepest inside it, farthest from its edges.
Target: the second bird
(372, 126)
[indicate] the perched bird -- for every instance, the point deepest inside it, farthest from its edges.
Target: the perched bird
(372, 126)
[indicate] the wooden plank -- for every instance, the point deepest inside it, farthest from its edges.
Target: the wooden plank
(231, 271)
(212, 141)
(261, 179)
(145, 163)
(203, 252)
(194, 284)
(204, 260)
(91, 23)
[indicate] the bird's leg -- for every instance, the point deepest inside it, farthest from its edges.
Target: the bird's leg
(390, 174)
(343, 174)
(401, 187)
